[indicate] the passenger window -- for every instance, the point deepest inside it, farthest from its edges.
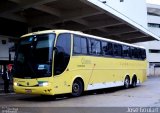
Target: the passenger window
(107, 48)
(126, 51)
(94, 47)
(104, 48)
(139, 54)
(133, 52)
(143, 52)
(117, 50)
(110, 49)
(136, 53)
(80, 45)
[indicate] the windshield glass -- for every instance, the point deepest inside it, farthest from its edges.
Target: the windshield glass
(34, 56)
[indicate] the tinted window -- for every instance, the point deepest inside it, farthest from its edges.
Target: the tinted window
(139, 54)
(107, 48)
(33, 57)
(126, 51)
(143, 52)
(80, 45)
(133, 52)
(117, 50)
(64, 43)
(110, 49)
(136, 53)
(104, 48)
(94, 47)
(62, 55)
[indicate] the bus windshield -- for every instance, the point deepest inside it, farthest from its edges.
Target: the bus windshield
(33, 57)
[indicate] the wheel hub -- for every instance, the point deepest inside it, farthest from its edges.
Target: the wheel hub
(75, 87)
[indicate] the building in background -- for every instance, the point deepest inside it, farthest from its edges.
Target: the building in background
(153, 47)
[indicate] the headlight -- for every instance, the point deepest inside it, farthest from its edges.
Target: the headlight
(43, 83)
(15, 84)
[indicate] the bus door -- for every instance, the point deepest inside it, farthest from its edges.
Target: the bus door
(61, 61)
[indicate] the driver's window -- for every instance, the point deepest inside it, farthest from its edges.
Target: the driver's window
(62, 55)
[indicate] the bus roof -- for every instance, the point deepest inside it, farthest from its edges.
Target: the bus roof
(79, 33)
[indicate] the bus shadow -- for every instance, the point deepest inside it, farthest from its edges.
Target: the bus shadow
(104, 91)
(43, 98)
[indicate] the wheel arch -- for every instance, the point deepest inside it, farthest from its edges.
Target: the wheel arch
(134, 77)
(127, 75)
(79, 77)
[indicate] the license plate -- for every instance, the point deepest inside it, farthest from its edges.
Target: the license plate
(28, 90)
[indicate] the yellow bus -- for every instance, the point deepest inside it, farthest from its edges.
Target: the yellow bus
(61, 61)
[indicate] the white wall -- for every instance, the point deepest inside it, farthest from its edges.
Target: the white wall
(136, 10)
(4, 48)
(154, 30)
(155, 20)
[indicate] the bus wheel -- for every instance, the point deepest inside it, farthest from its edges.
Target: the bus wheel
(126, 82)
(134, 81)
(77, 88)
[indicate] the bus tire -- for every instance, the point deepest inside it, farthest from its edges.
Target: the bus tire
(134, 81)
(77, 88)
(126, 82)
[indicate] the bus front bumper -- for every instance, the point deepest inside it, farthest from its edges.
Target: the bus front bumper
(46, 90)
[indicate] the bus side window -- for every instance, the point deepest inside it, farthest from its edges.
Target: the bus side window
(133, 53)
(107, 48)
(126, 51)
(76, 45)
(104, 48)
(79, 45)
(94, 47)
(136, 53)
(143, 54)
(139, 52)
(117, 50)
(110, 48)
(62, 55)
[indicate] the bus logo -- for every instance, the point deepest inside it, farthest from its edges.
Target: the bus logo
(27, 83)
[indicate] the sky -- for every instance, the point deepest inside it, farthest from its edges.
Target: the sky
(153, 1)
